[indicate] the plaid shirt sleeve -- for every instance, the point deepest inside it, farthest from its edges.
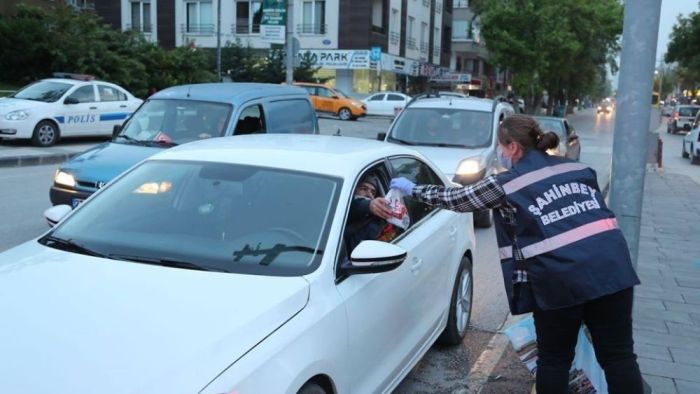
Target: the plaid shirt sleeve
(485, 194)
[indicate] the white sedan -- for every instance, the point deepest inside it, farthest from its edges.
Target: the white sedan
(691, 143)
(221, 266)
(386, 103)
(75, 105)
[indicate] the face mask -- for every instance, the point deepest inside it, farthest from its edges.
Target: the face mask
(506, 161)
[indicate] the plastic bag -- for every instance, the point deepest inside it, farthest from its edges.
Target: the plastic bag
(398, 209)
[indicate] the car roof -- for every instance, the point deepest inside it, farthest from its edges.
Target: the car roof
(322, 154)
(235, 92)
(472, 103)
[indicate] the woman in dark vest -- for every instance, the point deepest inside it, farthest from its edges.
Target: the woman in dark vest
(562, 254)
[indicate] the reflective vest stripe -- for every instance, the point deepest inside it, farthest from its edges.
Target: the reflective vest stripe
(561, 240)
(538, 175)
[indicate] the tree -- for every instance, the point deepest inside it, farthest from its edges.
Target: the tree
(556, 45)
(684, 48)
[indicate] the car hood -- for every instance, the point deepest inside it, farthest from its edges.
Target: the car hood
(79, 324)
(11, 104)
(104, 162)
(447, 159)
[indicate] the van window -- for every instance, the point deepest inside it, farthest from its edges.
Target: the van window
(290, 116)
(250, 121)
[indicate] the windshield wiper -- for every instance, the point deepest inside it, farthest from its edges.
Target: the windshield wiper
(133, 140)
(401, 141)
(445, 145)
(165, 262)
(271, 253)
(69, 245)
(161, 143)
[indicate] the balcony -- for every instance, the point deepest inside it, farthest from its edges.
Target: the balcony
(394, 38)
(312, 28)
(461, 4)
(438, 8)
(203, 29)
(411, 43)
(423, 47)
(246, 28)
(436, 50)
(426, 3)
(141, 29)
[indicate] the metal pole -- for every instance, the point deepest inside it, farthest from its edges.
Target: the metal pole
(289, 37)
(630, 145)
(218, 41)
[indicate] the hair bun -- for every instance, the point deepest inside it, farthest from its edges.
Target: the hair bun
(548, 140)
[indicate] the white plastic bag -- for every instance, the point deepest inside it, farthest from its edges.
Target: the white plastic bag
(398, 210)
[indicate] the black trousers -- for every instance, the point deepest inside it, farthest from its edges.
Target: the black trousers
(609, 320)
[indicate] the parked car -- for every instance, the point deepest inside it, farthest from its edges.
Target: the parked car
(458, 134)
(220, 266)
(71, 105)
(691, 142)
(569, 145)
(182, 114)
(385, 103)
(682, 118)
(332, 101)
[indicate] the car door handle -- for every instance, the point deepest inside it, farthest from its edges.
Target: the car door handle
(93, 107)
(416, 264)
(122, 106)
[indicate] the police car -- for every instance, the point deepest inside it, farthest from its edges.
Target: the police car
(69, 105)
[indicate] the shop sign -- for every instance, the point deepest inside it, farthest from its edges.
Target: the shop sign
(341, 59)
(274, 21)
(452, 77)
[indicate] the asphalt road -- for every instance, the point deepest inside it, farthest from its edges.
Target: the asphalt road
(442, 370)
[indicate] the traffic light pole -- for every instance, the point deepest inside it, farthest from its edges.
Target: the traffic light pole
(630, 145)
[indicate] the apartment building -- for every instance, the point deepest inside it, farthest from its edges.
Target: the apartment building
(413, 36)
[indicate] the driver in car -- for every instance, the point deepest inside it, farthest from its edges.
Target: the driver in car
(368, 214)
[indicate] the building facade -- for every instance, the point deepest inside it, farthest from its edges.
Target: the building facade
(413, 37)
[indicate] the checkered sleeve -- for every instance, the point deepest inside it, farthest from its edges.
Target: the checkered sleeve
(485, 194)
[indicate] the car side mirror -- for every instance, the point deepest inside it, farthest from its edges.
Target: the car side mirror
(71, 100)
(374, 256)
(116, 130)
(381, 136)
(573, 138)
(55, 214)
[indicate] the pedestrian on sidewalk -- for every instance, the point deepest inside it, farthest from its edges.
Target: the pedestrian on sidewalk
(562, 254)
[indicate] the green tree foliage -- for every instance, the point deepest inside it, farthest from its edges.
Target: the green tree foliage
(684, 48)
(556, 45)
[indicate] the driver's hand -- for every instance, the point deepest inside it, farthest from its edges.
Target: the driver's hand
(379, 207)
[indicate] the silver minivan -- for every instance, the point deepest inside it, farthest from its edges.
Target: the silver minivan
(682, 118)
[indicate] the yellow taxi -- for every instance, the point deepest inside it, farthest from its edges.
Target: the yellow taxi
(330, 100)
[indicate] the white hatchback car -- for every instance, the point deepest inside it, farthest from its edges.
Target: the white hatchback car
(385, 103)
(72, 106)
(220, 266)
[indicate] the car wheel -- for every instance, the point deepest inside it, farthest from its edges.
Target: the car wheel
(460, 305)
(344, 114)
(311, 388)
(684, 154)
(693, 159)
(483, 219)
(45, 133)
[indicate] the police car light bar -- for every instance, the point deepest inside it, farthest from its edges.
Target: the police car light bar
(80, 77)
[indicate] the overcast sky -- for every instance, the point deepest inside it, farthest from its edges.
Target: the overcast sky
(670, 9)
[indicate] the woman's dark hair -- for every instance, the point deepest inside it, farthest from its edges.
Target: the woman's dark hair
(527, 133)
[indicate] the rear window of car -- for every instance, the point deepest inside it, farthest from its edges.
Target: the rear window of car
(688, 111)
(552, 125)
(294, 116)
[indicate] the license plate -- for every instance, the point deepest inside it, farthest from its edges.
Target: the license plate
(75, 202)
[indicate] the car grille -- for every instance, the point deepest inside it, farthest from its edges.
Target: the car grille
(89, 185)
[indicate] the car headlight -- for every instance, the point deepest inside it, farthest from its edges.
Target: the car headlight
(21, 114)
(468, 167)
(355, 103)
(64, 178)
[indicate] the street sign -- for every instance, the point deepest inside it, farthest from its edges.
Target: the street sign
(274, 21)
(375, 54)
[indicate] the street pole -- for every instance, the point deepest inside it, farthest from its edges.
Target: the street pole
(218, 41)
(289, 37)
(630, 144)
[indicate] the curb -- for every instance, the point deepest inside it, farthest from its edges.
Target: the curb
(36, 160)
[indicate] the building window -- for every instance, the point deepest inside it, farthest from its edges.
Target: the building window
(313, 17)
(141, 16)
(423, 37)
(410, 40)
(248, 17)
(394, 27)
(199, 17)
(377, 16)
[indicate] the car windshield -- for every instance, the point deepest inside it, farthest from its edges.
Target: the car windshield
(46, 91)
(177, 121)
(447, 127)
(688, 111)
(218, 217)
(341, 93)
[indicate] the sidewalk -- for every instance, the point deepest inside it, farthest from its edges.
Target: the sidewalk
(667, 303)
